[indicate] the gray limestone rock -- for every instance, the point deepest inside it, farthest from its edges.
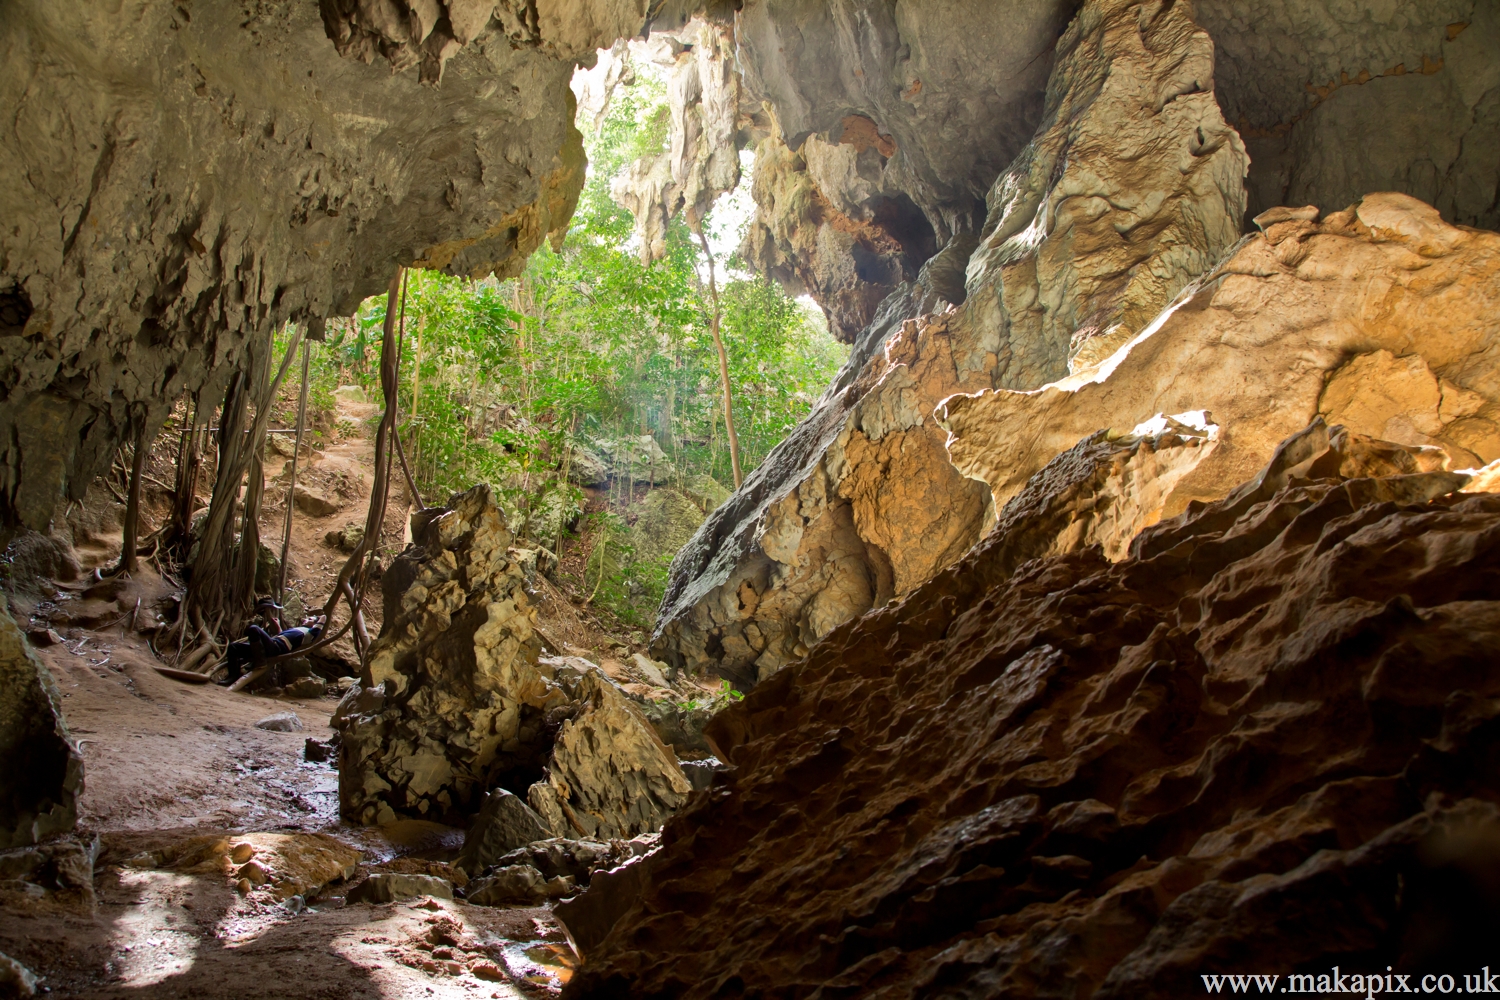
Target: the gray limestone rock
(44, 770)
(388, 887)
(281, 722)
(575, 859)
(347, 538)
(610, 776)
(314, 502)
(64, 865)
(587, 467)
(515, 885)
(1335, 101)
(505, 822)
(860, 504)
(451, 696)
(589, 917)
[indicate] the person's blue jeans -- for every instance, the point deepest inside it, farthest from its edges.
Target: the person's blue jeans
(242, 652)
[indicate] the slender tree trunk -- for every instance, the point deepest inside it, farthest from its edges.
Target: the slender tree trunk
(215, 593)
(291, 486)
(713, 327)
(130, 541)
(189, 465)
(246, 557)
(416, 399)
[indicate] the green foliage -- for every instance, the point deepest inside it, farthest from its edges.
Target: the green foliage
(499, 379)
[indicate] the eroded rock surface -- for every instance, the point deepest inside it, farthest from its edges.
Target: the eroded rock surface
(1335, 101)
(179, 181)
(1132, 187)
(1076, 777)
(451, 697)
(1382, 318)
(44, 773)
(829, 224)
(860, 504)
(610, 776)
(704, 97)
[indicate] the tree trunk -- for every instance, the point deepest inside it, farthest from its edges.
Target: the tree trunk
(130, 541)
(189, 465)
(713, 328)
(291, 486)
(217, 593)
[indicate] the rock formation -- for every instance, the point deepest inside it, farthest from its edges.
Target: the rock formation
(1094, 227)
(703, 95)
(44, 770)
(1337, 101)
(827, 224)
(1262, 742)
(180, 180)
(451, 697)
(610, 775)
(504, 823)
(1132, 187)
(1382, 318)
(946, 94)
(454, 702)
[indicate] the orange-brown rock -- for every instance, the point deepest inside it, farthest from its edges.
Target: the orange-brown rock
(1382, 318)
(860, 504)
(1267, 741)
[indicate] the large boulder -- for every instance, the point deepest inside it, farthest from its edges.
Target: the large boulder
(44, 770)
(610, 776)
(665, 521)
(504, 823)
(636, 458)
(860, 504)
(1263, 740)
(450, 698)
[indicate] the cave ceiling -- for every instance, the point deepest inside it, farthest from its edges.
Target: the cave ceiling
(181, 177)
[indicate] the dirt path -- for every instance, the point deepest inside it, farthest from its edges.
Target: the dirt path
(168, 764)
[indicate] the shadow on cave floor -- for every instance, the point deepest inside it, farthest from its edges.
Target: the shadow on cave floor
(165, 934)
(166, 762)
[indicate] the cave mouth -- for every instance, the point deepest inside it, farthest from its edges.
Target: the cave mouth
(663, 621)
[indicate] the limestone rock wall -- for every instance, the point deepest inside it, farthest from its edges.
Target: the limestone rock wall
(861, 504)
(1335, 101)
(1382, 318)
(829, 225)
(180, 179)
(1132, 187)
(1224, 753)
(44, 770)
(945, 92)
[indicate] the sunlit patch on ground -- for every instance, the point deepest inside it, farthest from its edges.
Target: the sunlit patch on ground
(156, 938)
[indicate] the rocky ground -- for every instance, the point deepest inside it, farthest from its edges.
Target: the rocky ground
(1262, 740)
(179, 778)
(168, 765)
